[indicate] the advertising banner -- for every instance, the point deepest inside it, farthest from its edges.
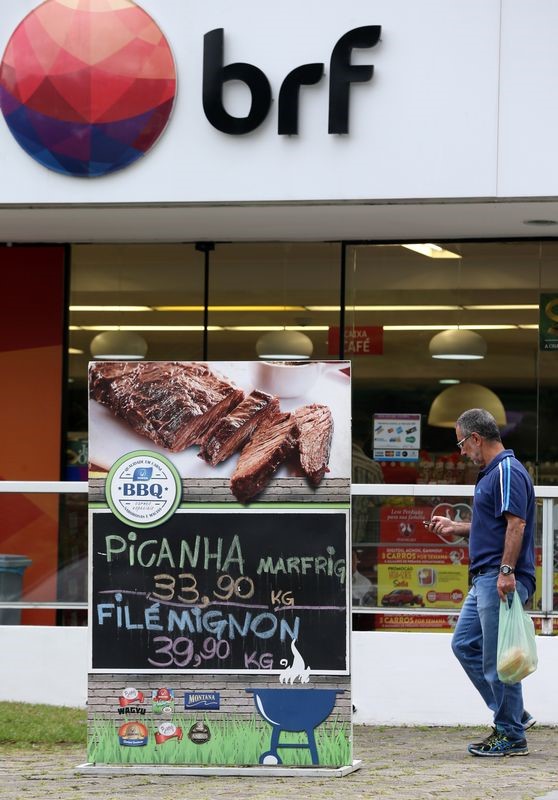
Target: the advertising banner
(420, 569)
(396, 437)
(537, 596)
(406, 524)
(435, 623)
(548, 321)
(422, 576)
(219, 507)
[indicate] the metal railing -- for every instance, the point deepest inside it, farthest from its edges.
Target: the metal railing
(43, 487)
(546, 495)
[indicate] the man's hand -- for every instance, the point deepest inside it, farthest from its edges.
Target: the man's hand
(442, 525)
(505, 584)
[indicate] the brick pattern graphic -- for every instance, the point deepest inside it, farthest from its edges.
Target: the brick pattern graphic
(106, 688)
(281, 490)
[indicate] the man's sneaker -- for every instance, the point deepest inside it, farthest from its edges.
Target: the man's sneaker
(498, 745)
(527, 721)
(493, 735)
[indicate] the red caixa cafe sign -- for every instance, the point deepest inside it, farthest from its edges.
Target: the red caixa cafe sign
(359, 341)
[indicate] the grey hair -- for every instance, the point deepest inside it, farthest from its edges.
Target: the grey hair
(481, 421)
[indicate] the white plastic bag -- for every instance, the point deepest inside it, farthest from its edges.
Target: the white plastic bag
(517, 647)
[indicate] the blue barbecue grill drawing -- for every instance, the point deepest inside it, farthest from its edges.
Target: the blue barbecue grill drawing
(293, 710)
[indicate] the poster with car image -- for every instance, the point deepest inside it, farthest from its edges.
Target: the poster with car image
(219, 529)
(422, 576)
(418, 568)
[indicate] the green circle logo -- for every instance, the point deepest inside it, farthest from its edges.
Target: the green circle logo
(144, 488)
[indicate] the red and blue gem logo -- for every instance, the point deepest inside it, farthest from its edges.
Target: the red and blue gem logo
(87, 86)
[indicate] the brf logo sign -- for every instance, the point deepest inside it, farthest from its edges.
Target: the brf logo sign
(88, 86)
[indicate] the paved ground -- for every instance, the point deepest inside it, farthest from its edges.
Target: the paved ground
(399, 764)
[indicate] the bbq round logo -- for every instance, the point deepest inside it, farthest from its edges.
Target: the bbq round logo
(87, 86)
(144, 488)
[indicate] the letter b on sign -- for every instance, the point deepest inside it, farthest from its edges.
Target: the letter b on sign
(215, 74)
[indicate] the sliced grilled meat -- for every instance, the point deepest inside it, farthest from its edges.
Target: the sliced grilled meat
(268, 448)
(315, 424)
(172, 403)
(232, 432)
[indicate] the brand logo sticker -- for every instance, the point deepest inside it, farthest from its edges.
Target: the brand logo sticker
(205, 700)
(167, 731)
(162, 701)
(144, 488)
(133, 734)
(199, 733)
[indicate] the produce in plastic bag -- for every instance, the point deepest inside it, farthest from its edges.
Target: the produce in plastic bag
(517, 649)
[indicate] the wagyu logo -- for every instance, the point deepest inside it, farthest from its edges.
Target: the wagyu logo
(87, 86)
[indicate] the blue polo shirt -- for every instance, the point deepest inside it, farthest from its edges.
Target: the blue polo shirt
(503, 485)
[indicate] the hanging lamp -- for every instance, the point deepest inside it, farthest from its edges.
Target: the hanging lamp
(118, 346)
(458, 344)
(284, 346)
(453, 401)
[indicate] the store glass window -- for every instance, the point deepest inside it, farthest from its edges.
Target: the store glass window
(265, 288)
(216, 302)
(155, 293)
(498, 300)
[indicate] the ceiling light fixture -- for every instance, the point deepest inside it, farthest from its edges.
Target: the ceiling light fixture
(387, 308)
(504, 307)
(110, 308)
(229, 308)
(431, 250)
(284, 346)
(261, 328)
(458, 345)
(419, 327)
(118, 346)
(487, 327)
(149, 328)
(453, 401)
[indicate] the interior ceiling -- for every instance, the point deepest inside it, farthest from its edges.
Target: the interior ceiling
(306, 274)
(513, 356)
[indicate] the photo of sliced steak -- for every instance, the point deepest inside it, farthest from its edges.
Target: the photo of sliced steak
(172, 403)
(315, 424)
(272, 443)
(232, 432)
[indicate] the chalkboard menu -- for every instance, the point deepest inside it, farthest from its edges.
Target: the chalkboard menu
(220, 591)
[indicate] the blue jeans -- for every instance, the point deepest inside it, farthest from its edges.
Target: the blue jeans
(475, 642)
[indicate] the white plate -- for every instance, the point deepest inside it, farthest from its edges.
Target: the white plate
(110, 438)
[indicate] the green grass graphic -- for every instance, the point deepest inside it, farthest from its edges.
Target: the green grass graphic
(234, 742)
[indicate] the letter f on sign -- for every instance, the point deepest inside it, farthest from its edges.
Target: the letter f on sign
(343, 73)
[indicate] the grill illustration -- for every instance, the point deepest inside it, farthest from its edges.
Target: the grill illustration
(293, 710)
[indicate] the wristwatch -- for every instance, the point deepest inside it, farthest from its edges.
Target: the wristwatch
(505, 569)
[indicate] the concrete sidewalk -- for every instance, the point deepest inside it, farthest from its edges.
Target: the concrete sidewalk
(398, 764)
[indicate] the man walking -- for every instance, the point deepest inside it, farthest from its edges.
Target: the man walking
(502, 560)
